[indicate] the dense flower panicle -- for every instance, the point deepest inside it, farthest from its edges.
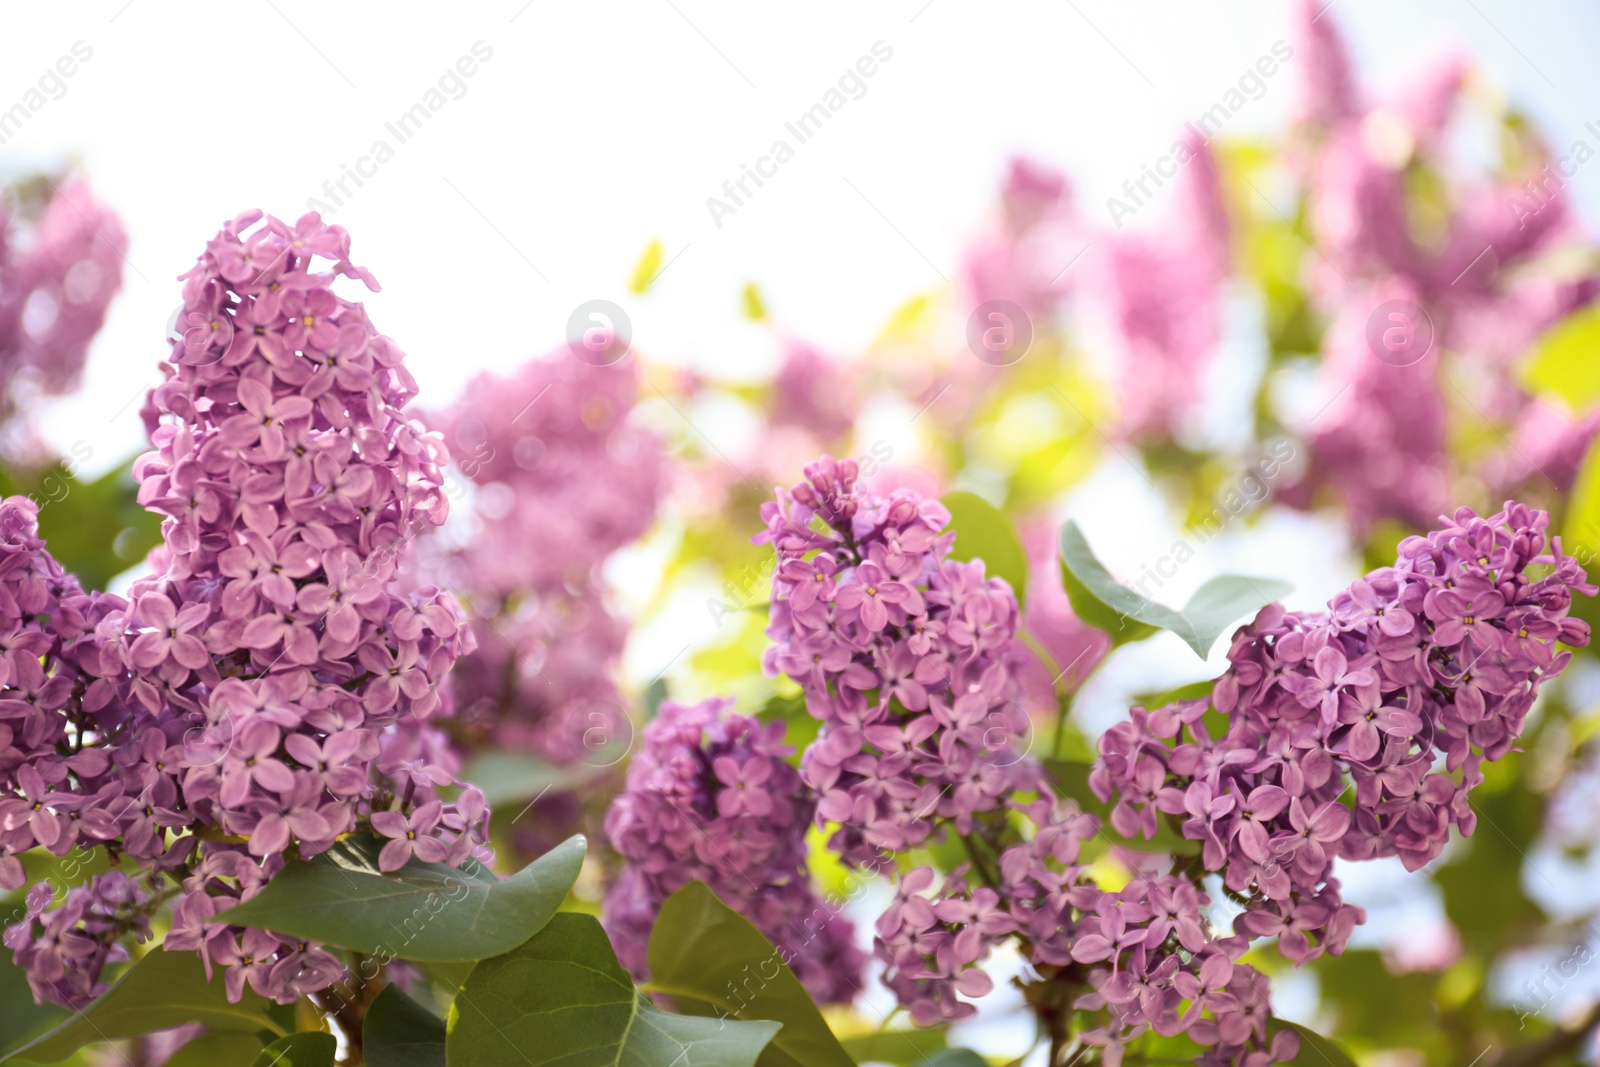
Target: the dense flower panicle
(710, 797)
(55, 286)
(1411, 680)
(902, 654)
(269, 688)
(564, 478)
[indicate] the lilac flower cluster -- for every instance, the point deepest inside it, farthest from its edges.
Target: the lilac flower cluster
(564, 478)
(1159, 294)
(710, 797)
(268, 689)
(905, 655)
(1411, 680)
(1146, 952)
(57, 279)
(1479, 294)
(902, 655)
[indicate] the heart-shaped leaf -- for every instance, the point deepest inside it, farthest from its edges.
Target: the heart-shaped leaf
(1125, 615)
(423, 911)
(984, 532)
(399, 1032)
(161, 990)
(562, 998)
(309, 1049)
(700, 949)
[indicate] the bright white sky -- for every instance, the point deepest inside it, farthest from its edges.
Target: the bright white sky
(594, 128)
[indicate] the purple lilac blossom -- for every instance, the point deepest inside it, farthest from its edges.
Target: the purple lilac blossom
(564, 478)
(58, 276)
(711, 797)
(1486, 288)
(267, 689)
(1359, 732)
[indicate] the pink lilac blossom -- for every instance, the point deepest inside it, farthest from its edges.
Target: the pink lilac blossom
(268, 689)
(1411, 680)
(57, 278)
(1159, 294)
(901, 653)
(1022, 260)
(1482, 291)
(564, 478)
(711, 797)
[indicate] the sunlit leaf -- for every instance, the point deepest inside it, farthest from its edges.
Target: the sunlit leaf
(709, 959)
(649, 265)
(563, 999)
(424, 911)
(1125, 615)
(984, 532)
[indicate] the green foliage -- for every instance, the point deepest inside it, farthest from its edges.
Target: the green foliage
(508, 777)
(649, 265)
(218, 1050)
(1315, 1050)
(308, 1049)
(161, 990)
(984, 532)
(562, 998)
(903, 1048)
(424, 911)
(1099, 600)
(399, 1032)
(1562, 363)
(20, 1017)
(96, 529)
(710, 959)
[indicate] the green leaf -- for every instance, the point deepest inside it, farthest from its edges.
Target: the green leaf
(956, 1057)
(984, 532)
(311, 1048)
(1072, 780)
(1315, 1050)
(1563, 362)
(709, 959)
(649, 265)
(161, 990)
(399, 1032)
(20, 1017)
(562, 998)
(217, 1050)
(904, 1048)
(424, 911)
(509, 777)
(96, 529)
(755, 309)
(1099, 600)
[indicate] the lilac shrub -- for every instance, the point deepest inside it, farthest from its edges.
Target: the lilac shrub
(270, 687)
(1355, 733)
